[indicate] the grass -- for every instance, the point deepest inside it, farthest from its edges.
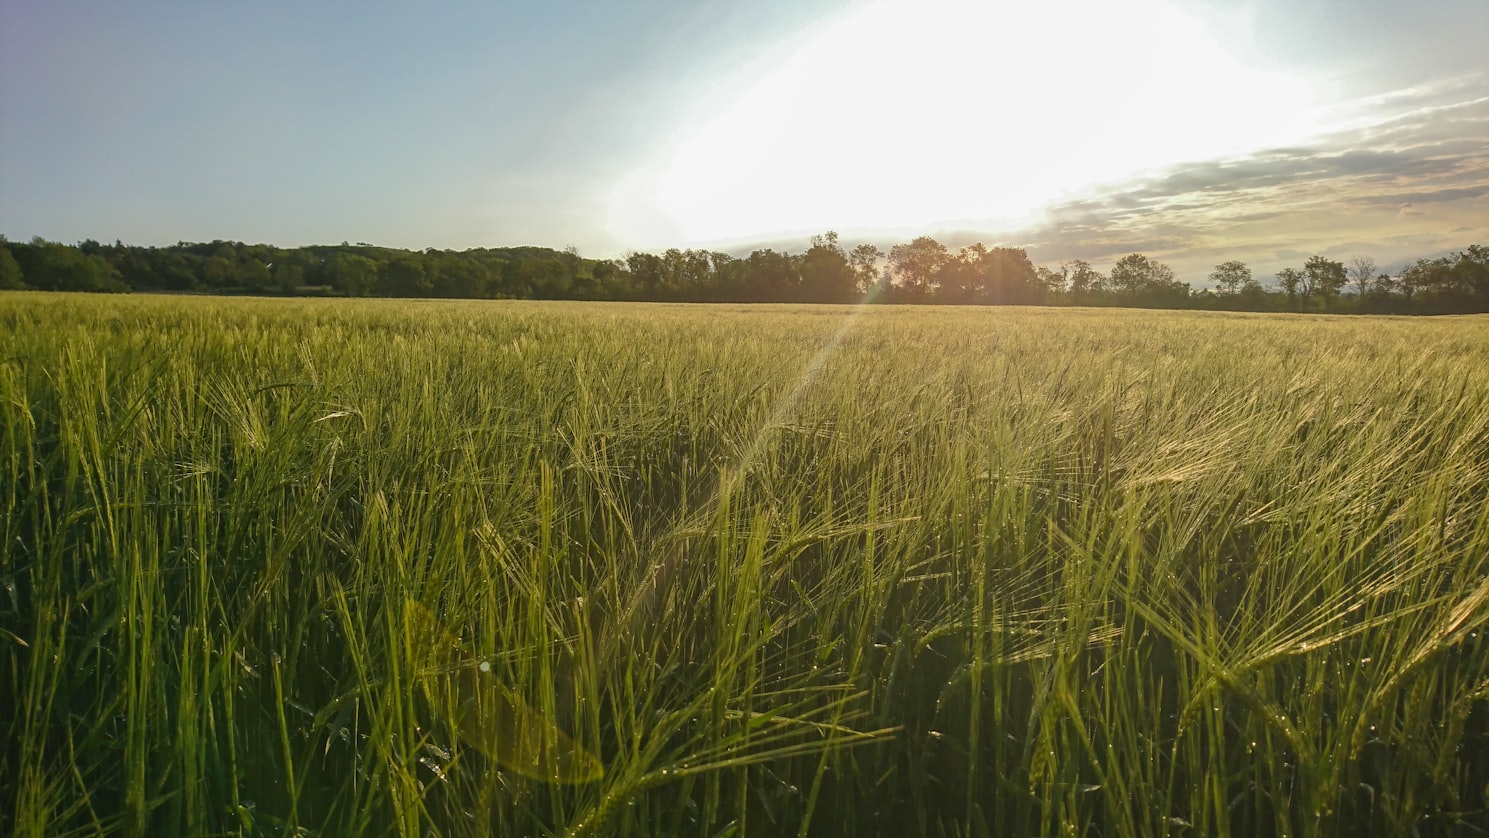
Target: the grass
(332, 567)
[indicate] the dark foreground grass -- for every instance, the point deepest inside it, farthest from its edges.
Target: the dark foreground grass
(344, 568)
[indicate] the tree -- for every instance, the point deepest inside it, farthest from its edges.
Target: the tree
(165, 268)
(922, 270)
(1053, 281)
(542, 274)
(1134, 272)
(865, 262)
(914, 267)
(687, 274)
(582, 283)
(609, 279)
(50, 266)
(958, 280)
(288, 277)
(1084, 280)
(1324, 276)
(646, 274)
(827, 275)
(219, 272)
(453, 275)
(403, 277)
(10, 270)
(253, 275)
(770, 276)
(351, 274)
(1147, 280)
(1230, 277)
(1291, 279)
(1362, 269)
(1472, 269)
(999, 275)
(1459, 282)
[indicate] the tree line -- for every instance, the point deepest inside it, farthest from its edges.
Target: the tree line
(921, 271)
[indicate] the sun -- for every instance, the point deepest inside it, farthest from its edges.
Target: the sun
(907, 114)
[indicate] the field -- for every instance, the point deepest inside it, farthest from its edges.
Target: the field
(336, 568)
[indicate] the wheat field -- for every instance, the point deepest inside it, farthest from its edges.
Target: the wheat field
(441, 568)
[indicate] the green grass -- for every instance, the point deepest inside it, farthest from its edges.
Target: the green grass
(335, 568)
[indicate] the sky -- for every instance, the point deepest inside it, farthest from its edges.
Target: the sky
(1194, 131)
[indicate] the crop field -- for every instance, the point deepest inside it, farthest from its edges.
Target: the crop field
(443, 568)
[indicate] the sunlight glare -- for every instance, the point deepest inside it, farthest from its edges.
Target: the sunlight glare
(910, 113)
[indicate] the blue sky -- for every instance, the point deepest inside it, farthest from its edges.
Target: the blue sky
(1187, 129)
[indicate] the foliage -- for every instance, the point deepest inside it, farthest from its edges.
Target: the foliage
(10, 270)
(346, 567)
(1452, 283)
(921, 271)
(914, 268)
(50, 266)
(1324, 277)
(1230, 277)
(1146, 281)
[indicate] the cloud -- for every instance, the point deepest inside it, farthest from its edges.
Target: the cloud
(1392, 179)
(1429, 197)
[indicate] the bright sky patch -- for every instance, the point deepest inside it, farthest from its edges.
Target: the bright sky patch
(910, 113)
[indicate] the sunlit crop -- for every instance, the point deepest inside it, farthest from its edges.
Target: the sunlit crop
(521, 568)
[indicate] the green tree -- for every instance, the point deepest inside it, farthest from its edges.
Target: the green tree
(1085, 281)
(1459, 282)
(403, 276)
(914, 268)
(1135, 272)
(687, 274)
(254, 275)
(1471, 266)
(771, 276)
(459, 275)
(1324, 277)
(1009, 277)
(1291, 279)
(996, 276)
(351, 274)
(1054, 281)
(1230, 277)
(219, 272)
(288, 277)
(646, 274)
(10, 270)
(827, 275)
(50, 266)
(1145, 280)
(609, 279)
(865, 261)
